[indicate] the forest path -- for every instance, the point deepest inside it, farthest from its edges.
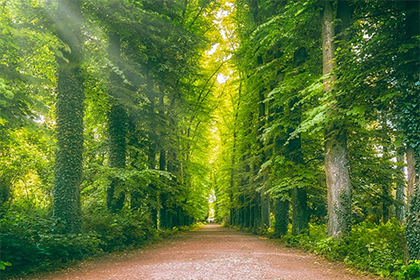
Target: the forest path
(213, 252)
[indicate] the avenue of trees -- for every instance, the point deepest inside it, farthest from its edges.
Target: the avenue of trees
(321, 132)
(120, 118)
(105, 109)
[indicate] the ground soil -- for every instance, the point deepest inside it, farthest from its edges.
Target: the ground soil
(213, 252)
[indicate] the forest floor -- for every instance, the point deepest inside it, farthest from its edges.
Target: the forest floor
(213, 252)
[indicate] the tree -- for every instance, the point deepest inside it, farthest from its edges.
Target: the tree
(411, 125)
(117, 127)
(336, 162)
(69, 116)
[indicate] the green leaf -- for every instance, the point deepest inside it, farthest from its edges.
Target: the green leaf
(3, 265)
(8, 94)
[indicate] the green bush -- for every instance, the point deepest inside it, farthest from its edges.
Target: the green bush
(375, 248)
(120, 231)
(29, 241)
(409, 272)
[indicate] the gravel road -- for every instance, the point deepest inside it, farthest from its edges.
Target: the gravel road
(213, 252)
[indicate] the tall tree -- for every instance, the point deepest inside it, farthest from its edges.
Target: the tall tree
(411, 124)
(69, 117)
(117, 126)
(336, 162)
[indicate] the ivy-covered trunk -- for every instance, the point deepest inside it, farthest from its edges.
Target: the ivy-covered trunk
(335, 162)
(69, 119)
(117, 128)
(412, 28)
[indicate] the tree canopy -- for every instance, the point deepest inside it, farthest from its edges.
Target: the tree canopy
(128, 118)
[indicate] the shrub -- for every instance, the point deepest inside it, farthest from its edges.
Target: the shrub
(120, 231)
(375, 248)
(29, 241)
(409, 272)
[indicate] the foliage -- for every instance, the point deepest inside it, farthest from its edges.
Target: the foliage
(161, 85)
(120, 231)
(378, 249)
(212, 95)
(31, 240)
(3, 265)
(408, 272)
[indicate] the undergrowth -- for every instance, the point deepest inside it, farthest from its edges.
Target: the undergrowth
(30, 243)
(378, 249)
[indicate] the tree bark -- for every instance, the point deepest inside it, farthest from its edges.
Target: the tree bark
(336, 162)
(281, 217)
(232, 180)
(69, 118)
(386, 185)
(300, 215)
(117, 132)
(411, 174)
(400, 191)
(117, 128)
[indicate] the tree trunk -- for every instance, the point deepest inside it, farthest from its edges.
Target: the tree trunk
(257, 211)
(242, 213)
(400, 192)
(163, 196)
(265, 211)
(151, 154)
(281, 217)
(246, 214)
(117, 128)
(336, 163)
(134, 158)
(386, 186)
(69, 118)
(300, 215)
(264, 198)
(411, 174)
(412, 28)
(232, 181)
(117, 131)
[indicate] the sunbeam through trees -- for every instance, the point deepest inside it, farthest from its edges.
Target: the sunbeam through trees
(123, 121)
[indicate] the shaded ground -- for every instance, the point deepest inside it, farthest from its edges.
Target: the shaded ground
(213, 252)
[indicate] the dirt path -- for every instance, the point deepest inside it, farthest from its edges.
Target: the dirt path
(213, 252)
